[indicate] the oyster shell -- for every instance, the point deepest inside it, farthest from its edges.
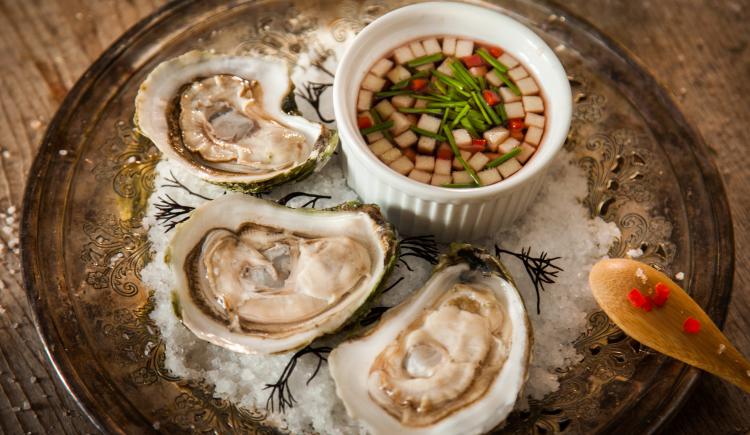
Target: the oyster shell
(257, 277)
(452, 358)
(231, 120)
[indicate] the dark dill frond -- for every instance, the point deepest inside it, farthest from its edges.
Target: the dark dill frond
(172, 181)
(171, 212)
(373, 315)
(312, 202)
(424, 247)
(281, 394)
(312, 93)
(541, 269)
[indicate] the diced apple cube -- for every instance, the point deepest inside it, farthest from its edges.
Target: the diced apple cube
(373, 83)
(426, 67)
(425, 163)
(364, 100)
(398, 74)
(526, 152)
(401, 123)
(420, 104)
(421, 176)
(429, 123)
(461, 177)
(508, 96)
(402, 101)
(466, 156)
(508, 60)
(380, 147)
(440, 179)
(431, 46)
(381, 67)
(412, 118)
(449, 46)
(426, 145)
(514, 110)
(406, 139)
(445, 67)
(417, 49)
(442, 166)
(534, 119)
(533, 135)
(527, 86)
(489, 176)
(495, 137)
(464, 47)
(478, 160)
(461, 136)
(403, 54)
(508, 145)
(374, 137)
(391, 156)
(509, 167)
(518, 73)
(385, 109)
(533, 104)
(403, 165)
(478, 71)
(493, 78)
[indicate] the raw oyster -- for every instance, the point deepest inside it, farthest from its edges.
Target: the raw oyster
(450, 359)
(257, 277)
(231, 120)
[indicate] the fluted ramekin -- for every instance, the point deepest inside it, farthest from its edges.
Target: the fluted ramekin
(417, 208)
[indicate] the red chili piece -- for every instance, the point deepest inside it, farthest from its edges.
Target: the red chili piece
(515, 123)
(691, 326)
(445, 152)
(496, 52)
(636, 298)
(490, 97)
(648, 305)
(472, 61)
(364, 122)
(516, 134)
(661, 294)
(411, 154)
(418, 84)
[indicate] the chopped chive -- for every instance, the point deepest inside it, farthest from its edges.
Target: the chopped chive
(482, 82)
(453, 83)
(505, 157)
(423, 60)
(481, 108)
(500, 109)
(446, 104)
(488, 109)
(460, 115)
(445, 117)
(511, 85)
(424, 132)
(484, 54)
(465, 123)
(378, 120)
(459, 157)
(405, 82)
(463, 74)
(415, 110)
(459, 185)
(440, 87)
(386, 94)
(431, 97)
(376, 128)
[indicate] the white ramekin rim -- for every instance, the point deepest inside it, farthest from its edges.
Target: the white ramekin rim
(533, 53)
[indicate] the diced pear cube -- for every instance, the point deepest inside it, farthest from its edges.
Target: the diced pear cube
(398, 74)
(402, 101)
(426, 67)
(517, 73)
(533, 135)
(449, 46)
(385, 109)
(478, 71)
(431, 46)
(391, 156)
(402, 165)
(509, 167)
(445, 67)
(514, 110)
(380, 147)
(421, 176)
(526, 152)
(461, 136)
(426, 145)
(381, 67)
(374, 137)
(440, 179)
(493, 78)
(508, 60)
(401, 123)
(442, 166)
(364, 100)
(420, 104)
(425, 163)
(508, 96)
(478, 160)
(534, 119)
(417, 49)
(403, 54)
(508, 145)
(464, 47)
(406, 139)
(429, 123)
(527, 86)
(461, 177)
(489, 176)
(533, 104)
(373, 83)
(495, 137)
(466, 156)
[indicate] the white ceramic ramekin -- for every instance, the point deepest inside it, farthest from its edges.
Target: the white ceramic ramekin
(417, 208)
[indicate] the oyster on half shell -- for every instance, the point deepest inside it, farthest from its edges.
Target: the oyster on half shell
(257, 277)
(231, 120)
(452, 358)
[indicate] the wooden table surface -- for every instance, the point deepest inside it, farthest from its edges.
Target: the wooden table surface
(698, 49)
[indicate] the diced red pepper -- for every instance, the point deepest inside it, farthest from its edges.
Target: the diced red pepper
(517, 134)
(515, 124)
(472, 61)
(490, 97)
(691, 326)
(494, 51)
(636, 298)
(473, 148)
(661, 294)
(445, 152)
(648, 305)
(364, 122)
(418, 84)
(411, 154)
(478, 141)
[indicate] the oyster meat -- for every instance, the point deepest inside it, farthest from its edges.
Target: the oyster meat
(257, 277)
(231, 120)
(452, 358)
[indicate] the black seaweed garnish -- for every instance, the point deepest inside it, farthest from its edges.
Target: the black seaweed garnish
(541, 269)
(280, 391)
(171, 212)
(311, 203)
(174, 182)
(423, 247)
(312, 94)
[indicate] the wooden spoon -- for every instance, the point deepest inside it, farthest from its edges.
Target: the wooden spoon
(662, 328)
